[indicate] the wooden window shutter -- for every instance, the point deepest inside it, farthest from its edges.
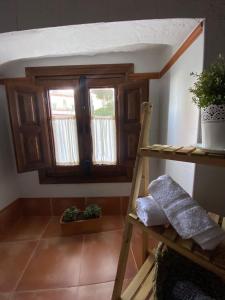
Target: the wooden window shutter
(29, 124)
(130, 97)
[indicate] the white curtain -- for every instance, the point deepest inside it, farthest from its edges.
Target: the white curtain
(104, 140)
(65, 140)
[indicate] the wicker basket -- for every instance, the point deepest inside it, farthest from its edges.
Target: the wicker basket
(171, 268)
(158, 253)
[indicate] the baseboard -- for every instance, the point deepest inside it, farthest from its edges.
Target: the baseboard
(55, 206)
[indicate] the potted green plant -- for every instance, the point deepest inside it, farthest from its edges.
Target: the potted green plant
(73, 221)
(209, 95)
(70, 214)
(92, 211)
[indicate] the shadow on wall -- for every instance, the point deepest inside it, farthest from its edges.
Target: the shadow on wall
(209, 188)
(164, 92)
(8, 175)
(154, 128)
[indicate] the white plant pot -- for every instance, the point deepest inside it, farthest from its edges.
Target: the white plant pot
(213, 126)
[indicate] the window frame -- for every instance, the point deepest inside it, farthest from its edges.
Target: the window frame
(61, 84)
(112, 87)
(108, 83)
(95, 76)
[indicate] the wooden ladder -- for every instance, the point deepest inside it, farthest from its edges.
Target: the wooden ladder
(141, 287)
(139, 188)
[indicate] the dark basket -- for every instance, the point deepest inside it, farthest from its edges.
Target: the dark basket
(172, 268)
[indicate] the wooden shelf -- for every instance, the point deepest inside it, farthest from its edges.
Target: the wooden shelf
(141, 286)
(213, 261)
(186, 154)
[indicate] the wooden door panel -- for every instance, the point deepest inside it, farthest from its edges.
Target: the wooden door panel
(32, 148)
(27, 107)
(132, 100)
(28, 116)
(132, 143)
(130, 97)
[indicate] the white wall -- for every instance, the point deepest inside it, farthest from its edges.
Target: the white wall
(144, 61)
(209, 188)
(178, 115)
(9, 189)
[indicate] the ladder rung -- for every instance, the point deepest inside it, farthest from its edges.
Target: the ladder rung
(186, 150)
(184, 154)
(214, 217)
(214, 260)
(146, 288)
(133, 288)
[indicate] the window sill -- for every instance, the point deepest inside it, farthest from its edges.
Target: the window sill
(45, 178)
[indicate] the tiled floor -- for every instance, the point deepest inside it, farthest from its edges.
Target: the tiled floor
(37, 263)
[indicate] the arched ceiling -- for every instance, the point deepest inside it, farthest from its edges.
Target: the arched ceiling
(90, 39)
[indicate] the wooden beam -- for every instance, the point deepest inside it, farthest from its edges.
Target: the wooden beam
(70, 70)
(186, 44)
(4, 81)
(141, 76)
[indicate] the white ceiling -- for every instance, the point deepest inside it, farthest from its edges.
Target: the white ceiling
(90, 39)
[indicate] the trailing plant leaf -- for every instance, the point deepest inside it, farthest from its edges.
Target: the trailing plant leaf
(209, 87)
(70, 214)
(92, 211)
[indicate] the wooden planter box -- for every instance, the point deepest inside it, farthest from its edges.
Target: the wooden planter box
(81, 226)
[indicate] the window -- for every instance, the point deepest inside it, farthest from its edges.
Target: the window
(83, 122)
(103, 126)
(64, 126)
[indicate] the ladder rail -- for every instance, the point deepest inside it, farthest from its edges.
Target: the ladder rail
(135, 188)
(139, 162)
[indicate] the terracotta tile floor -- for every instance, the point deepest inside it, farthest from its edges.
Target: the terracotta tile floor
(37, 263)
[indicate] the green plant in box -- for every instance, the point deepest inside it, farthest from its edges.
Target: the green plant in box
(92, 211)
(70, 214)
(74, 221)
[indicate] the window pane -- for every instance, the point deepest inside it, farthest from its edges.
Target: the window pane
(64, 127)
(103, 125)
